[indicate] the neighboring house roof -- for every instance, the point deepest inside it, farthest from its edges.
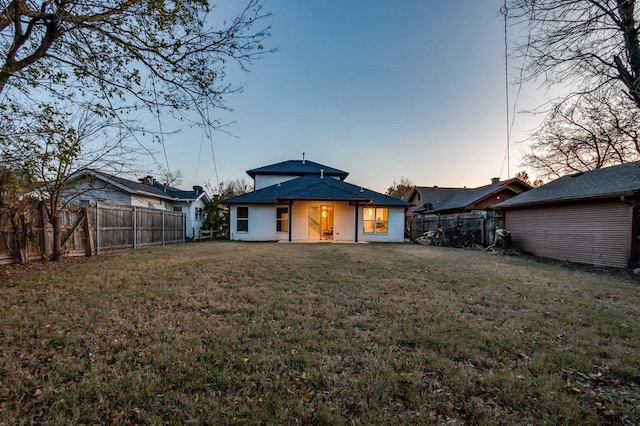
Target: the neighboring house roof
(297, 168)
(316, 188)
(458, 199)
(156, 189)
(182, 195)
(433, 197)
(466, 198)
(614, 181)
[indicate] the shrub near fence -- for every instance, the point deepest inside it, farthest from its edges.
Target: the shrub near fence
(460, 229)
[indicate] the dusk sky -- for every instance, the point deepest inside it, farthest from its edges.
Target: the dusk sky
(380, 89)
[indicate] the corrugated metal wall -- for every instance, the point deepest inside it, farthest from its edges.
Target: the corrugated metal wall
(597, 233)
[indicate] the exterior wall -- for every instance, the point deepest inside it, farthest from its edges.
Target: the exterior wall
(84, 190)
(262, 181)
(417, 201)
(396, 227)
(595, 233)
(150, 202)
(262, 223)
(96, 190)
(343, 221)
(192, 225)
(495, 199)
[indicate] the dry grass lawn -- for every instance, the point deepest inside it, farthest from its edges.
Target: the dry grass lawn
(239, 333)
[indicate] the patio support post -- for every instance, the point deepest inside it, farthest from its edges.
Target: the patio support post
(290, 217)
(356, 239)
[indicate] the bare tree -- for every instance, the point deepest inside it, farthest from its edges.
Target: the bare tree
(523, 175)
(110, 59)
(401, 189)
(591, 45)
(584, 134)
(172, 178)
(116, 56)
(49, 145)
(229, 188)
(590, 51)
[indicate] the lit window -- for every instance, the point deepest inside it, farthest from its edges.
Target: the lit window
(242, 222)
(282, 219)
(376, 220)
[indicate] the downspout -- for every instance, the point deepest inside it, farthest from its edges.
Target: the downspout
(356, 239)
(290, 217)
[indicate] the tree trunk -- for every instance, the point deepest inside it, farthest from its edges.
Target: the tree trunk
(631, 76)
(54, 219)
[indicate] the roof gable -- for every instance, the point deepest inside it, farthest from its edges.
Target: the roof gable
(439, 200)
(315, 188)
(156, 189)
(606, 182)
(468, 197)
(297, 168)
(431, 197)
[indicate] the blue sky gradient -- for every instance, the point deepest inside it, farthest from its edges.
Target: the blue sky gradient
(381, 89)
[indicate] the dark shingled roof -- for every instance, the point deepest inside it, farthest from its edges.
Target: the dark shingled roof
(435, 196)
(157, 189)
(623, 179)
(315, 188)
(453, 199)
(297, 168)
(464, 197)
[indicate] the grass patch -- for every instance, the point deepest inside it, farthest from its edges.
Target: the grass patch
(224, 332)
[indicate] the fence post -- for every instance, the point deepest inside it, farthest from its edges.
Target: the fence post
(163, 229)
(88, 235)
(184, 226)
(135, 230)
(97, 228)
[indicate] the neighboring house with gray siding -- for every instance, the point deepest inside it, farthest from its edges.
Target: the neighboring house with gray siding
(589, 217)
(92, 185)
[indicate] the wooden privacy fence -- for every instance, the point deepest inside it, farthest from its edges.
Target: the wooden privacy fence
(459, 229)
(119, 226)
(29, 235)
(86, 230)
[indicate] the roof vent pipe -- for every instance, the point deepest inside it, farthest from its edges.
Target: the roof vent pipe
(321, 173)
(303, 160)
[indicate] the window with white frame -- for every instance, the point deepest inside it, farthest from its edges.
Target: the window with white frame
(376, 220)
(242, 219)
(282, 219)
(199, 213)
(177, 209)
